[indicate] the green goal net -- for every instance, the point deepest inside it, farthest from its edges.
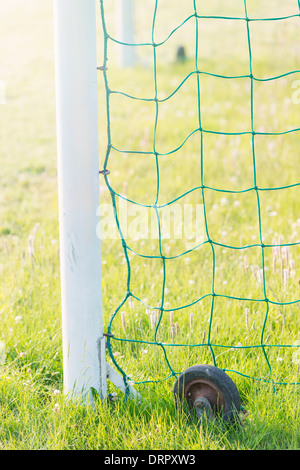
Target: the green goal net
(205, 141)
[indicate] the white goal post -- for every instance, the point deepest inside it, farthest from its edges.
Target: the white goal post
(84, 357)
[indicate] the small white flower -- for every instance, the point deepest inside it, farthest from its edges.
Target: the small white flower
(56, 407)
(114, 396)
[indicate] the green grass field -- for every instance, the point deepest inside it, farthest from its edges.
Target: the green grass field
(33, 410)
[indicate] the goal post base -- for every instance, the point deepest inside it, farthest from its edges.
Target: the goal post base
(118, 380)
(108, 373)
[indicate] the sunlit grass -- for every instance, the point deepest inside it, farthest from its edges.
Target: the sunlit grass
(34, 412)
